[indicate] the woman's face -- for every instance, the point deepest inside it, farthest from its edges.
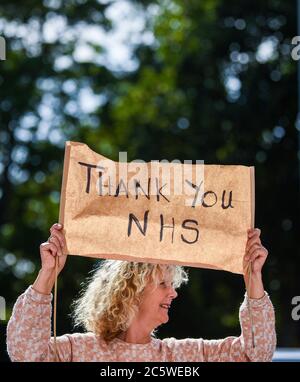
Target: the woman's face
(156, 302)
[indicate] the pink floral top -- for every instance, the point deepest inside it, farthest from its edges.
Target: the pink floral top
(29, 338)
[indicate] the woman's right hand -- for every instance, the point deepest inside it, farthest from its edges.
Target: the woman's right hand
(54, 247)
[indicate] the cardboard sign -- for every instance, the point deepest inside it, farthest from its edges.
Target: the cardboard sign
(187, 214)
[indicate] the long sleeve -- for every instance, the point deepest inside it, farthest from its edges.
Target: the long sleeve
(232, 349)
(257, 346)
(29, 330)
(29, 338)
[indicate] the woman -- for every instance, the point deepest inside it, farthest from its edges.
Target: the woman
(122, 306)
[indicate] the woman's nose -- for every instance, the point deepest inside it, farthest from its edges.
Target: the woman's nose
(173, 293)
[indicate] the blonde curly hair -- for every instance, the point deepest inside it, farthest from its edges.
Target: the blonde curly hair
(112, 296)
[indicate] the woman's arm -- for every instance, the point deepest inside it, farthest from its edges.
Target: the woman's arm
(255, 257)
(29, 328)
(257, 341)
(243, 348)
(258, 338)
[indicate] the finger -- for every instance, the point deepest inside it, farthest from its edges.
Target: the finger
(265, 252)
(250, 251)
(54, 240)
(49, 247)
(252, 242)
(258, 253)
(59, 236)
(56, 226)
(254, 248)
(249, 258)
(254, 231)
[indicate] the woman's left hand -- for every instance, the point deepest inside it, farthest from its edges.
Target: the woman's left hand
(255, 252)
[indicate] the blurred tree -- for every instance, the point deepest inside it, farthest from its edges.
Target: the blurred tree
(213, 81)
(217, 86)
